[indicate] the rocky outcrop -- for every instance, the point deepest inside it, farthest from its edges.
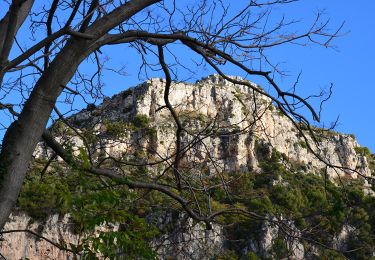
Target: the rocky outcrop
(242, 119)
(23, 245)
(187, 240)
(244, 128)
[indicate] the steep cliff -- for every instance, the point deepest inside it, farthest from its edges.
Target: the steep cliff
(247, 116)
(238, 131)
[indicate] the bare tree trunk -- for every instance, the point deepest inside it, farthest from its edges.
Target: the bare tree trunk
(23, 134)
(9, 27)
(13, 20)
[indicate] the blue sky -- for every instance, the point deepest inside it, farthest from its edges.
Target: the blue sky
(349, 67)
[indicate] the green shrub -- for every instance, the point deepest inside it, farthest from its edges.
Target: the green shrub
(306, 200)
(90, 202)
(364, 151)
(117, 129)
(141, 121)
(42, 197)
(279, 249)
(302, 144)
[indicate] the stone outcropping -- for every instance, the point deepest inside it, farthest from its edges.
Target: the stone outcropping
(243, 119)
(22, 245)
(186, 241)
(247, 117)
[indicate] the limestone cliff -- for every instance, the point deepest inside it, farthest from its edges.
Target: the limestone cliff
(246, 116)
(246, 126)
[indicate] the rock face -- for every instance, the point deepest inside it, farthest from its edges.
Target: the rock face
(21, 245)
(243, 120)
(247, 117)
(187, 240)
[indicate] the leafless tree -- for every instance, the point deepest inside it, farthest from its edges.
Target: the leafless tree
(66, 33)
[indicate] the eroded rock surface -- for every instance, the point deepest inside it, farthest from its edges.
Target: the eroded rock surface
(251, 127)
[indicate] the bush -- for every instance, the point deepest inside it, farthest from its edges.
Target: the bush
(141, 121)
(305, 200)
(90, 203)
(309, 200)
(364, 151)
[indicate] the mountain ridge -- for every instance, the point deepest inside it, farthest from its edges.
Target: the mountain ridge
(210, 99)
(237, 131)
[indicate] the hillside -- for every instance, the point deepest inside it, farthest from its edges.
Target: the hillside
(241, 117)
(237, 151)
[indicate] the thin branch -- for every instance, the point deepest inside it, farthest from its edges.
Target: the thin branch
(59, 246)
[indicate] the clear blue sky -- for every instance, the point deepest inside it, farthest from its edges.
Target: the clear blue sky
(349, 68)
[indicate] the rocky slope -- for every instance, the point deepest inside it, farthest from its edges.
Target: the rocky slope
(246, 128)
(247, 117)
